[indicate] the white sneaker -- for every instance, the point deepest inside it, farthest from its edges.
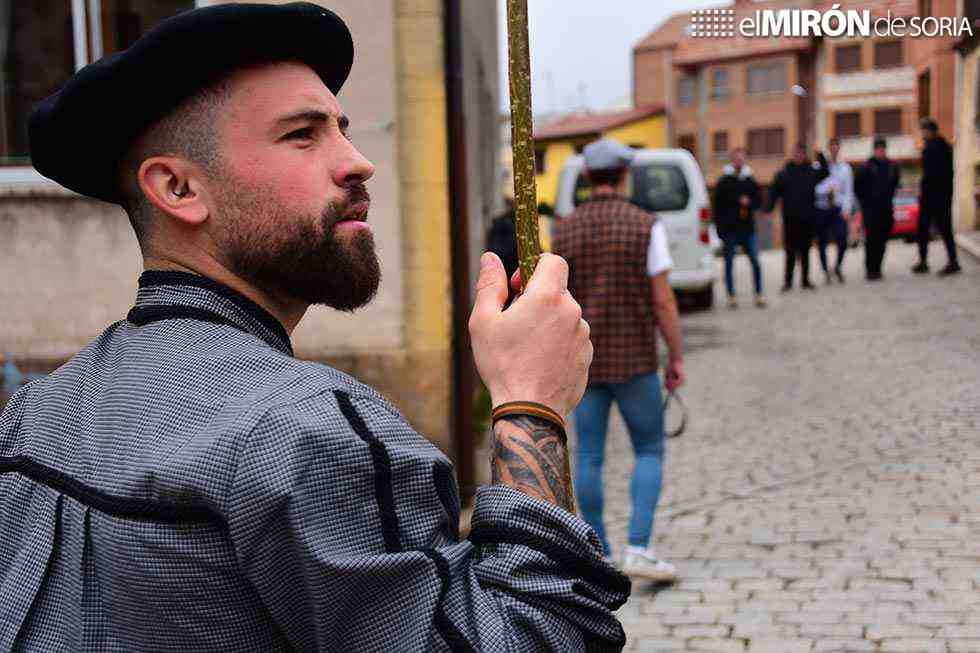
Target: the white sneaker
(644, 563)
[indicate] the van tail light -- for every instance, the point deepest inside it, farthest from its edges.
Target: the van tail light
(705, 218)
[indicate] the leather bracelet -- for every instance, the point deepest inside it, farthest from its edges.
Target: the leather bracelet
(531, 409)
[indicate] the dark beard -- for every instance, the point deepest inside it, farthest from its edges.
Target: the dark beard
(302, 259)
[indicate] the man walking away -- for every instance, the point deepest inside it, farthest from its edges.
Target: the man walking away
(835, 202)
(796, 186)
(737, 197)
(618, 261)
(936, 197)
(876, 184)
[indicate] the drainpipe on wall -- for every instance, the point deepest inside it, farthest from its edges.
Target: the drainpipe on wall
(463, 385)
(702, 145)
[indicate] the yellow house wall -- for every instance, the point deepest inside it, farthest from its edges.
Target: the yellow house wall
(967, 145)
(423, 159)
(554, 158)
(650, 132)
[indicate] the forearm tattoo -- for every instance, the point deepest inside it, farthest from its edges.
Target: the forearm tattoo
(529, 456)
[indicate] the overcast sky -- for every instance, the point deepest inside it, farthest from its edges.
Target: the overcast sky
(580, 49)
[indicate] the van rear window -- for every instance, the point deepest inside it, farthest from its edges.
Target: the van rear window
(652, 186)
(660, 187)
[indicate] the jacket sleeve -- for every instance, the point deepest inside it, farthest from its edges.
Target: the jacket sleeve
(847, 191)
(720, 209)
(929, 168)
(344, 521)
(775, 191)
(755, 194)
(861, 185)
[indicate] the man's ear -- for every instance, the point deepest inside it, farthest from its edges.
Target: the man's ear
(174, 186)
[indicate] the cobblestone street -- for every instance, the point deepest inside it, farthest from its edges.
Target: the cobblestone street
(826, 496)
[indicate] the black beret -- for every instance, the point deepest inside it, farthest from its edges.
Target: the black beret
(79, 135)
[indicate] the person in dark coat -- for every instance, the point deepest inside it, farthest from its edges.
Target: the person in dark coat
(936, 197)
(876, 183)
(502, 238)
(796, 186)
(737, 197)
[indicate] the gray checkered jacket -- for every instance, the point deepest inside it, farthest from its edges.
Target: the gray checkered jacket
(185, 484)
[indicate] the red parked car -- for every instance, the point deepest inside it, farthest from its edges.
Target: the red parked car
(906, 220)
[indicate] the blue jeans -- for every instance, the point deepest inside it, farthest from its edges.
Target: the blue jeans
(749, 243)
(641, 405)
(831, 227)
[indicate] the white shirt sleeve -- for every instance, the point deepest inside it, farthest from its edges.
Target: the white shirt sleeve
(847, 192)
(658, 254)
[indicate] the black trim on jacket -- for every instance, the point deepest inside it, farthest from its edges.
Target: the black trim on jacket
(452, 636)
(154, 278)
(596, 571)
(149, 313)
(122, 507)
(389, 518)
(382, 473)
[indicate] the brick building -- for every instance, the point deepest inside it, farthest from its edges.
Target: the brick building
(724, 93)
(882, 87)
(728, 92)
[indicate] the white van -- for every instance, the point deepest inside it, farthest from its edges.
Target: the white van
(669, 183)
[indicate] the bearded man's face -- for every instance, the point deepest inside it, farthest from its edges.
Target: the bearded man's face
(289, 193)
(302, 255)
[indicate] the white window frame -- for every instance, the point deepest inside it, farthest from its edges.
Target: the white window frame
(86, 18)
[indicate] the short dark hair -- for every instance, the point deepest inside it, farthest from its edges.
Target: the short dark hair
(929, 125)
(880, 142)
(604, 176)
(833, 141)
(189, 131)
(801, 146)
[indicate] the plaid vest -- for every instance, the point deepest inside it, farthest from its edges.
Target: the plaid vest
(605, 242)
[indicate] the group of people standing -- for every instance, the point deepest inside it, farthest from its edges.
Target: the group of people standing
(619, 262)
(819, 200)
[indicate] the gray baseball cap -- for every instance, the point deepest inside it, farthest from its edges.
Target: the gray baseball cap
(607, 154)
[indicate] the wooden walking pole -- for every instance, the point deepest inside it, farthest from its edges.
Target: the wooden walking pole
(522, 139)
(522, 142)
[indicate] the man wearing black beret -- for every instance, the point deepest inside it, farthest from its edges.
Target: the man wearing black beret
(184, 483)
